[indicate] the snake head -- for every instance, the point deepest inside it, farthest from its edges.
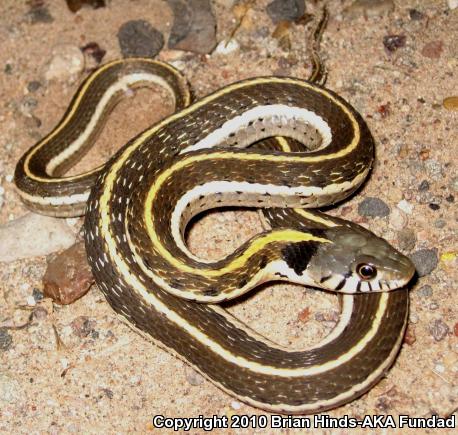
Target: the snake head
(353, 260)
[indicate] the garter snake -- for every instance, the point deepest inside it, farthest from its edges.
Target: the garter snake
(280, 144)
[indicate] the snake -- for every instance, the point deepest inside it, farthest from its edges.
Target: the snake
(283, 145)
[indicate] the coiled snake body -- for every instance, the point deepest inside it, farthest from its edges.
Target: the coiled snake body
(280, 144)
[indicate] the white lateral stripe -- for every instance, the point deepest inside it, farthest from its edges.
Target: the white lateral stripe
(241, 121)
(245, 187)
(77, 198)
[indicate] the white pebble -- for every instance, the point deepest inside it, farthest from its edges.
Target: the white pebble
(9, 178)
(226, 47)
(134, 380)
(178, 64)
(24, 287)
(398, 220)
(452, 4)
(66, 64)
(439, 368)
(405, 206)
(31, 301)
(34, 235)
(235, 405)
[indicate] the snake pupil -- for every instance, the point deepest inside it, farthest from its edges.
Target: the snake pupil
(366, 271)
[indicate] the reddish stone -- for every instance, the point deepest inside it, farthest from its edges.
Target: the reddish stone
(68, 276)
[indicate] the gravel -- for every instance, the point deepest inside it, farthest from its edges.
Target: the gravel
(425, 261)
(438, 329)
(289, 10)
(66, 64)
(5, 339)
(425, 291)
(33, 235)
(194, 26)
(138, 38)
(407, 239)
(373, 207)
(454, 184)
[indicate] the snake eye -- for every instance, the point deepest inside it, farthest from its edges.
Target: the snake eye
(366, 271)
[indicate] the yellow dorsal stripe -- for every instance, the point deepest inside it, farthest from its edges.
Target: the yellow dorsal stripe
(112, 174)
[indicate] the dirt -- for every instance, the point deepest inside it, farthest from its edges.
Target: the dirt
(77, 368)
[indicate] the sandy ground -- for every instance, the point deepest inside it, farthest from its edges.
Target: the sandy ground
(104, 377)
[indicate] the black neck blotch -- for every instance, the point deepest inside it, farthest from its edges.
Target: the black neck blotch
(297, 255)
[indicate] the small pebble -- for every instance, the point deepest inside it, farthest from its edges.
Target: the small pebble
(39, 14)
(194, 26)
(93, 53)
(434, 206)
(226, 47)
(8, 69)
(450, 103)
(28, 105)
(194, 378)
(37, 295)
(409, 337)
(33, 86)
(440, 223)
(31, 302)
(425, 291)
(433, 49)
(107, 393)
(82, 326)
(449, 256)
(373, 207)
(425, 261)
(66, 64)
(424, 185)
(433, 306)
(394, 42)
(64, 363)
(138, 38)
(398, 219)
(39, 313)
(304, 315)
(415, 15)
(439, 368)
(407, 239)
(33, 235)
(405, 206)
(76, 5)
(454, 184)
(438, 329)
(288, 10)
(2, 193)
(455, 329)
(6, 340)
(68, 275)
(369, 8)
(235, 405)
(10, 389)
(452, 4)
(282, 34)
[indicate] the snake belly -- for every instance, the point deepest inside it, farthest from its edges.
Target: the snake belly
(200, 157)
